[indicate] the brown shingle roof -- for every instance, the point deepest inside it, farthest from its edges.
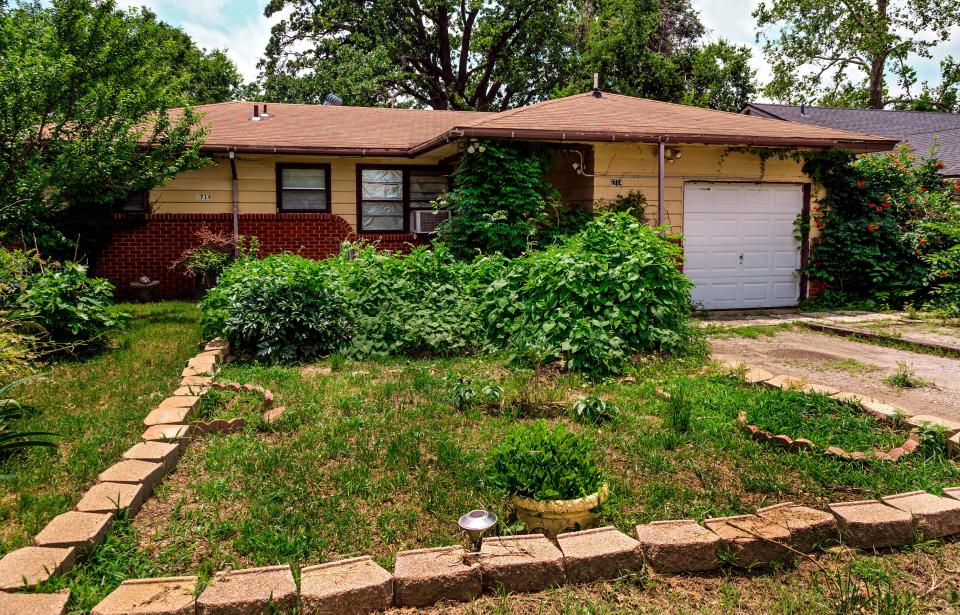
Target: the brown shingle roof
(296, 127)
(407, 132)
(612, 117)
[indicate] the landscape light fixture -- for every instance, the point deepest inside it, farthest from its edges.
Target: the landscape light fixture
(476, 522)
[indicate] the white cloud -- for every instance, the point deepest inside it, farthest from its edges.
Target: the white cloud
(238, 26)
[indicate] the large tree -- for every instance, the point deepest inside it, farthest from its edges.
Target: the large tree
(849, 51)
(493, 55)
(655, 49)
(446, 54)
(85, 91)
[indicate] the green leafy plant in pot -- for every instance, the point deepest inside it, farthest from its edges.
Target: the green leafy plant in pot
(552, 476)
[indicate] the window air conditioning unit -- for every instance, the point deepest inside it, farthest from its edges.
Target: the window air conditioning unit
(426, 221)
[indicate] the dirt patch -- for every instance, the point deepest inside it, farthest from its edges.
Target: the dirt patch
(791, 353)
(798, 354)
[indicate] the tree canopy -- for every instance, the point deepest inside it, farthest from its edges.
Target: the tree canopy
(849, 53)
(85, 95)
(475, 54)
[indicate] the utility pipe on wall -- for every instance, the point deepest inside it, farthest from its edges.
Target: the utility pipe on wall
(661, 210)
(236, 205)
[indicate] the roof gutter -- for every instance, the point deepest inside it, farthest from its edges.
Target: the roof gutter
(623, 137)
(308, 151)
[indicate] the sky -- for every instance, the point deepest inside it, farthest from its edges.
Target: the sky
(239, 27)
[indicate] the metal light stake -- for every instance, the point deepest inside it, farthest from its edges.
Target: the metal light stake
(476, 522)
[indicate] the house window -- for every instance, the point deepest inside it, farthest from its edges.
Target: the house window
(381, 200)
(137, 203)
(388, 198)
(303, 188)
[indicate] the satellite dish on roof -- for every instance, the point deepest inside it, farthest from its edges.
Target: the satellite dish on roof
(333, 100)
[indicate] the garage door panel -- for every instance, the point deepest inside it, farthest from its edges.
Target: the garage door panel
(740, 244)
(757, 229)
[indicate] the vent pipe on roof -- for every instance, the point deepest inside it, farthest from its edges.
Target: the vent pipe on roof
(803, 108)
(264, 114)
(256, 114)
(596, 85)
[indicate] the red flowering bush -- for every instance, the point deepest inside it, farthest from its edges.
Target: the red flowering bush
(886, 226)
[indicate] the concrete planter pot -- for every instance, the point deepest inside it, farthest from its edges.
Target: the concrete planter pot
(554, 517)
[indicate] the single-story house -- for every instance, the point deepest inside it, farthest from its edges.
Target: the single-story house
(919, 130)
(305, 178)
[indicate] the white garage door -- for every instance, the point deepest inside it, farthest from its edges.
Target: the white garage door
(740, 245)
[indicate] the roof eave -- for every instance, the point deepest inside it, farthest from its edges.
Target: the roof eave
(865, 145)
(379, 152)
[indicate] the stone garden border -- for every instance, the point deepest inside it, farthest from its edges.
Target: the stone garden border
(911, 444)
(879, 409)
(423, 577)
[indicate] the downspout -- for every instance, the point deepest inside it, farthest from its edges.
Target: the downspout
(236, 205)
(661, 211)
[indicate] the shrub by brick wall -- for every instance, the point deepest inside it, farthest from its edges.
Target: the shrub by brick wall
(148, 245)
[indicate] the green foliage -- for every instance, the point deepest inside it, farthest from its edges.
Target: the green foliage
(884, 228)
(283, 308)
(905, 378)
(71, 309)
(428, 53)
(499, 200)
(544, 463)
(847, 53)
(425, 302)
(655, 49)
(213, 252)
(11, 409)
(679, 412)
(591, 301)
(593, 410)
(84, 119)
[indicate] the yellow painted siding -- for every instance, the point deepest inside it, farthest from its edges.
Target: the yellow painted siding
(257, 185)
(635, 166)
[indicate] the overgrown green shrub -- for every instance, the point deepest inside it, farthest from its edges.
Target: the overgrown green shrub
(70, 309)
(885, 228)
(425, 302)
(500, 199)
(283, 308)
(543, 463)
(594, 299)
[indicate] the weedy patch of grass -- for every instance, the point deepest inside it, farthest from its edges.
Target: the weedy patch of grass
(96, 406)
(748, 331)
(850, 366)
(825, 421)
(905, 378)
(386, 455)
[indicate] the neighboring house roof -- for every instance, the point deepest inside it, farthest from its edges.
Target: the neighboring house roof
(345, 130)
(920, 130)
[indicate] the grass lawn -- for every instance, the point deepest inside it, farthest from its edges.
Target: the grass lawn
(96, 405)
(375, 457)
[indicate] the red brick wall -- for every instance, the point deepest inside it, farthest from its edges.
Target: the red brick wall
(149, 245)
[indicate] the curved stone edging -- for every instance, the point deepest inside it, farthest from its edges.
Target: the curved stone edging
(879, 409)
(762, 435)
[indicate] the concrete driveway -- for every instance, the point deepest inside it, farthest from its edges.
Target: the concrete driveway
(850, 365)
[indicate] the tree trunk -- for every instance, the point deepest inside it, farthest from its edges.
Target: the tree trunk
(878, 62)
(876, 82)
